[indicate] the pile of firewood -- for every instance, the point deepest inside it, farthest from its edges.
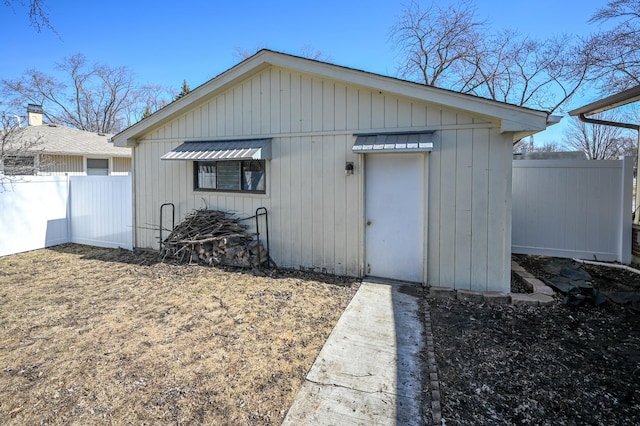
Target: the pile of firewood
(214, 238)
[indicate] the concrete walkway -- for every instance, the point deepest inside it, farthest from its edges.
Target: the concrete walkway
(369, 371)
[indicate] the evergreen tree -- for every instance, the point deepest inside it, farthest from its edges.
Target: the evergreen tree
(146, 113)
(185, 89)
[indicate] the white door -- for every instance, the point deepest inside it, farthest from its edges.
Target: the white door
(394, 203)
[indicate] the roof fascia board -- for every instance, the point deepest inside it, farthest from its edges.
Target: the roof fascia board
(520, 134)
(517, 118)
(81, 153)
(514, 126)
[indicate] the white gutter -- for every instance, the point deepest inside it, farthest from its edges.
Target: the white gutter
(614, 101)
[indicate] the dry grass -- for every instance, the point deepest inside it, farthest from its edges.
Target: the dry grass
(100, 336)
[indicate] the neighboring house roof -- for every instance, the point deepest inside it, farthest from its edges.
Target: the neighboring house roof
(61, 140)
(519, 120)
(619, 99)
(610, 102)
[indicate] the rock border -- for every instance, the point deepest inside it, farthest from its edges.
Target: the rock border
(434, 383)
(541, 294)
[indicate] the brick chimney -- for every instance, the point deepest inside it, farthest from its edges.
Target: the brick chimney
(34, 114)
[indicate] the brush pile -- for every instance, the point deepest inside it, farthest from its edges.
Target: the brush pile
(212, 237)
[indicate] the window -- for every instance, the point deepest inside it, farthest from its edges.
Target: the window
(243, 176)
(98, 166)
(19, 165)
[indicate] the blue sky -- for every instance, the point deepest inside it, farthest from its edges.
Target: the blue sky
(167, 42)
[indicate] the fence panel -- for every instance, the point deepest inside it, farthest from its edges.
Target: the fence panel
(33, 213)
(44, 211)
(101, 211)
(576, 208)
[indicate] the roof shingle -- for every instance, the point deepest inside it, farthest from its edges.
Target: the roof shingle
(61, 140)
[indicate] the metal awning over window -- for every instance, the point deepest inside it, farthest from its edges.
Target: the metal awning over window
(393, 142)
(246, 149)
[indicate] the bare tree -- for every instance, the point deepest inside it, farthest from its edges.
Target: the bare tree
(528, 145)
(37, 10)
(628, 146)
(307, 51)
(153, 98)
(435, 40)
(511, 68)
(599, 142)
(91, 97)
(310, 52)
(450, 48)
(616, 51)
(241, 53)
(18, 151)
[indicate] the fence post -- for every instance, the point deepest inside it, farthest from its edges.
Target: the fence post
(68, 179)
(626, 211)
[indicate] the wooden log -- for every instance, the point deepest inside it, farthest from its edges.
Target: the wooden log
(212, 237)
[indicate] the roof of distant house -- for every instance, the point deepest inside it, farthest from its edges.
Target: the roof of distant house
(61, 140)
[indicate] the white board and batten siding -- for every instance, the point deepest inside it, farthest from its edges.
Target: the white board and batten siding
(316, 212)
(75, 165)
(62, 165)
(469, 222)
(573, 208)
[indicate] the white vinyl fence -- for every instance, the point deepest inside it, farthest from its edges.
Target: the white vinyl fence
(574, 208)
(43, 211)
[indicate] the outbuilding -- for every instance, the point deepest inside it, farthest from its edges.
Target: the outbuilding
(361, 174)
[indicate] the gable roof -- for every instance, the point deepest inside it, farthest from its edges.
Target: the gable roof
(521, 121)
(60, 140)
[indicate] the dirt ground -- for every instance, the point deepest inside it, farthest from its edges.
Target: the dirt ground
(102, 336)
(554, 365)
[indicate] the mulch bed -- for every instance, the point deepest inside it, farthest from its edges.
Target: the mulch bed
(553, 365)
